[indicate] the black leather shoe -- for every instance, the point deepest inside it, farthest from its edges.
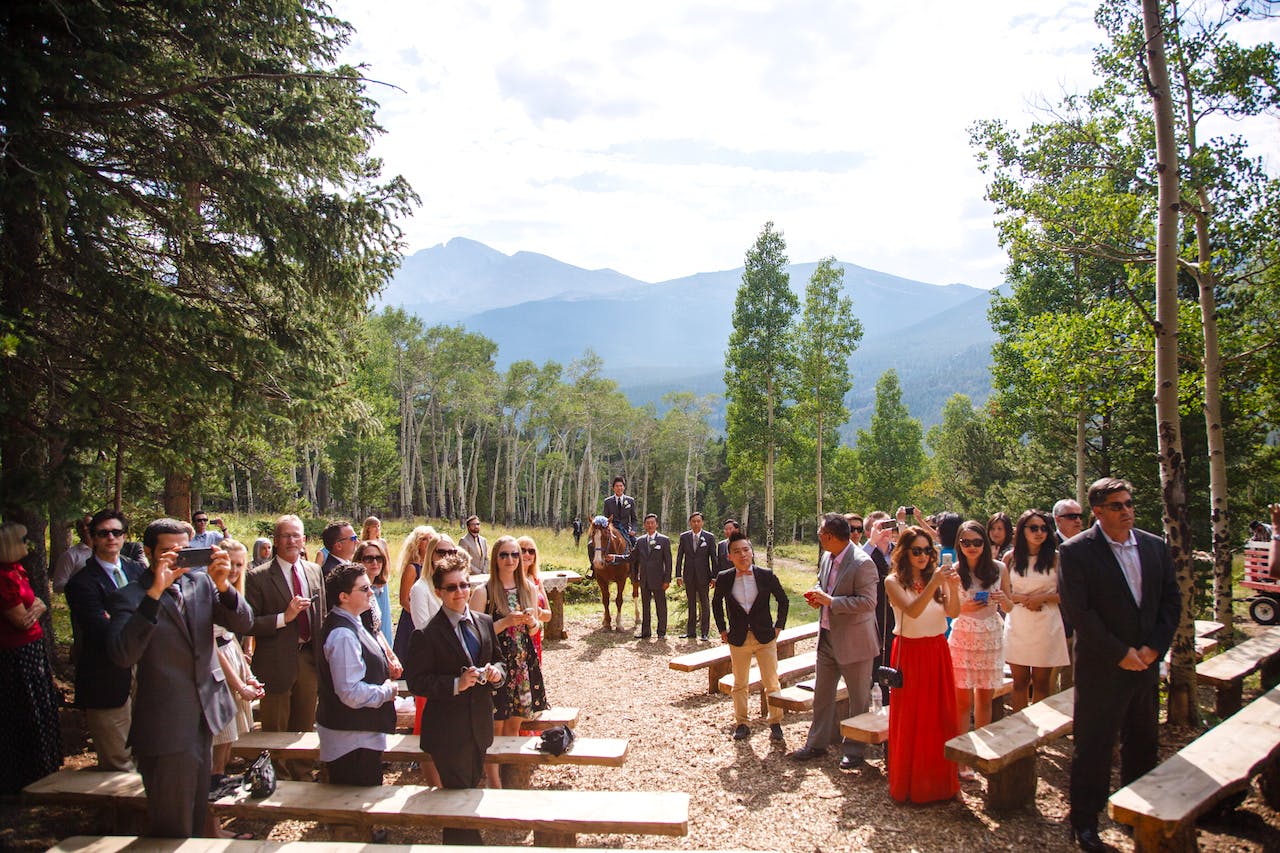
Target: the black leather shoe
(775, 731)
(741, 732)
(806, 753)
(1086, 837)
(704, 638)
(686, 636)
(639, 636)
(852, 762)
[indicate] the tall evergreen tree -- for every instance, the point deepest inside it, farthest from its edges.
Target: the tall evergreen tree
(890, 456)
(760, 366)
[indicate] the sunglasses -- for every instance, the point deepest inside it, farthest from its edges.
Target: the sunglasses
(509, 555)
(456, 587)
(372, 558)
(1116, 506)
(354, 538)
(1074, 516)
(364, 588)
(108, 532)
(201, 521)
(917, 551)
(528, 550)
(446, 551)
(1037, 528)
(853, 529)
(971, 543)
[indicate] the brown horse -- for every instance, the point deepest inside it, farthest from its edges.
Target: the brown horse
(604, 542)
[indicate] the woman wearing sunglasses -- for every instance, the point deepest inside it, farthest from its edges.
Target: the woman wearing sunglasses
(511, 600)
(924, 707)
(977, 635)
(529, 559)
(1034, 639)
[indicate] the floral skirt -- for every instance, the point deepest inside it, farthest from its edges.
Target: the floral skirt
(977, 652)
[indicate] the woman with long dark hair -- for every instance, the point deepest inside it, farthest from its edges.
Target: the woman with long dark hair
(924, 708)
(977, 634)
(999, 535)
(1034, 638)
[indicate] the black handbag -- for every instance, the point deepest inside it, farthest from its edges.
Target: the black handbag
(556, 740)
(261, 777)
(886, 676)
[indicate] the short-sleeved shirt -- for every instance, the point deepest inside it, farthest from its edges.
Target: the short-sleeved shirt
(16, 589)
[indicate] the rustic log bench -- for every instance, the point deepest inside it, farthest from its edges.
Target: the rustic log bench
(789, 669)
(1162, 805)
(1005, 751)
(716, 658)
(541, 721)
(1226, 672)
(518, 756)
(873, 727)
(135, 844)
(554, 817)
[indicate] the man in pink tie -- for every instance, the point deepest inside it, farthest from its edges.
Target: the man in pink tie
(287, 597)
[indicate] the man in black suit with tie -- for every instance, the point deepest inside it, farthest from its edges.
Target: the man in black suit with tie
(451, 663)
(102, 688)
(752, 632)
(695, 571)
(620, 509)
(651, 568)
(723, 564)
(1118, 589)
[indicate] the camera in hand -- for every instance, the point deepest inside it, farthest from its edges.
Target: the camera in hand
(189, 557)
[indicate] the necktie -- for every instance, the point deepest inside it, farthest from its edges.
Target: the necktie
(304, 619)
(119, 577)
(176, 592)
(472, 641)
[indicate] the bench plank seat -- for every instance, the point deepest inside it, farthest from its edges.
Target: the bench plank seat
(553, 816)
(1226, 672)
(541, 721)
(610, 752)
(136, 844)
(1163, 804)
(873, 727)
(1005, 751)
(716, 658)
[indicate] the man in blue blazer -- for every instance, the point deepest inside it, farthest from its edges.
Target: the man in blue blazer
(752, 632)
(102, 688)
(162, 623)
(1118, 589)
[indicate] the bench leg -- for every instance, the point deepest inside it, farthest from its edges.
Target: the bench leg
(515, 775)
(550, 838)
(715, 672)
(1013, 786)
(1270, 674)
(1269, 784)
(997, 708)
(1229, 699)
(348, 832)
(1151, 839)
(786, 650)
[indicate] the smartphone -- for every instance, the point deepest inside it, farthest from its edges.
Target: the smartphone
(947, 560)
(911, 510)
(189, 557)
(982, 596)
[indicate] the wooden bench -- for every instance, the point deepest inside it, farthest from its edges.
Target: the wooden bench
(716, 658)
(1226, 672)
(135, 844)
(543, 720)
(517, 755)
(1005, 751)
(873, 727)
(554, 817)
(789, 669)
(1162, 805)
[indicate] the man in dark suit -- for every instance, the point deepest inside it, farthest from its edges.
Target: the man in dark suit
(696, 571)
(102, 688)
(847, 638)
(288, 600)
(1118, 589)
(162, 623)
(723, 564)
(340, 541)
(882, 532)
(620, 509)
(752, 632)
(651, 568)
(451, 663)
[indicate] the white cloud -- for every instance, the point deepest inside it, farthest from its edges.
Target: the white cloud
(657, 138)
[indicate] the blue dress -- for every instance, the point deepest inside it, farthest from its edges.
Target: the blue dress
(382, 595)
(405, 627)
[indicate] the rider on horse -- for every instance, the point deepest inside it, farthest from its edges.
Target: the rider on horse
(620, 509)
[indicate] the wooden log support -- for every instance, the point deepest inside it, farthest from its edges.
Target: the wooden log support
(1013, 786)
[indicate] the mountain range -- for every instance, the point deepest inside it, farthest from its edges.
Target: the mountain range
(671, 335)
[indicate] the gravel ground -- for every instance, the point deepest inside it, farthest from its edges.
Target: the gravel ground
(743, 794)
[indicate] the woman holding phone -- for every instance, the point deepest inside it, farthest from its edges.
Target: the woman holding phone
(977, 634)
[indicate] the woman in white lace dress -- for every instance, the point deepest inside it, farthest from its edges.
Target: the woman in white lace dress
(1035, 640)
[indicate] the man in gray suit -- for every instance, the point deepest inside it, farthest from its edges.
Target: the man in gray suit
(287, 597)
(847, 639)
(651, 562)
(162, 623)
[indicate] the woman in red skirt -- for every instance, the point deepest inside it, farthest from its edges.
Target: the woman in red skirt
(922, 715)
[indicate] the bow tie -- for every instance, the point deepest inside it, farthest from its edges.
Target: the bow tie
(747, 573)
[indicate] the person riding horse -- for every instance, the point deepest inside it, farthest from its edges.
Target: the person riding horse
(620, 509)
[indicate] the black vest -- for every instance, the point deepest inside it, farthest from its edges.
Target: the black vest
(330, 711)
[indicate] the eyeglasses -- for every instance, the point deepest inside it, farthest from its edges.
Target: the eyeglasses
(354, 538)
(373, 558)
(201, 521)
(455, 587)
(528, 550)
(970, 543)
(1117, 506)
(1074, 516)
(105, 532)
(1036, 528)
(853, 529)
(509, 555)
(917, 551)
(446, 551)
(364, 588)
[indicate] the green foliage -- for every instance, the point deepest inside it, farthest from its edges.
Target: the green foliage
(890, 456)
(968, 457)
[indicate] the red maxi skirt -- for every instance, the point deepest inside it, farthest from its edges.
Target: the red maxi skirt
(922, 717)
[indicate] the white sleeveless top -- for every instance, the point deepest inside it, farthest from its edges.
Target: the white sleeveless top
(932, 622)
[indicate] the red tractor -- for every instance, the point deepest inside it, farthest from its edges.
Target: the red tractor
(1264, 607)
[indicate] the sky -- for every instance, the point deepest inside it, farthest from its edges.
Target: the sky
(657, 138)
